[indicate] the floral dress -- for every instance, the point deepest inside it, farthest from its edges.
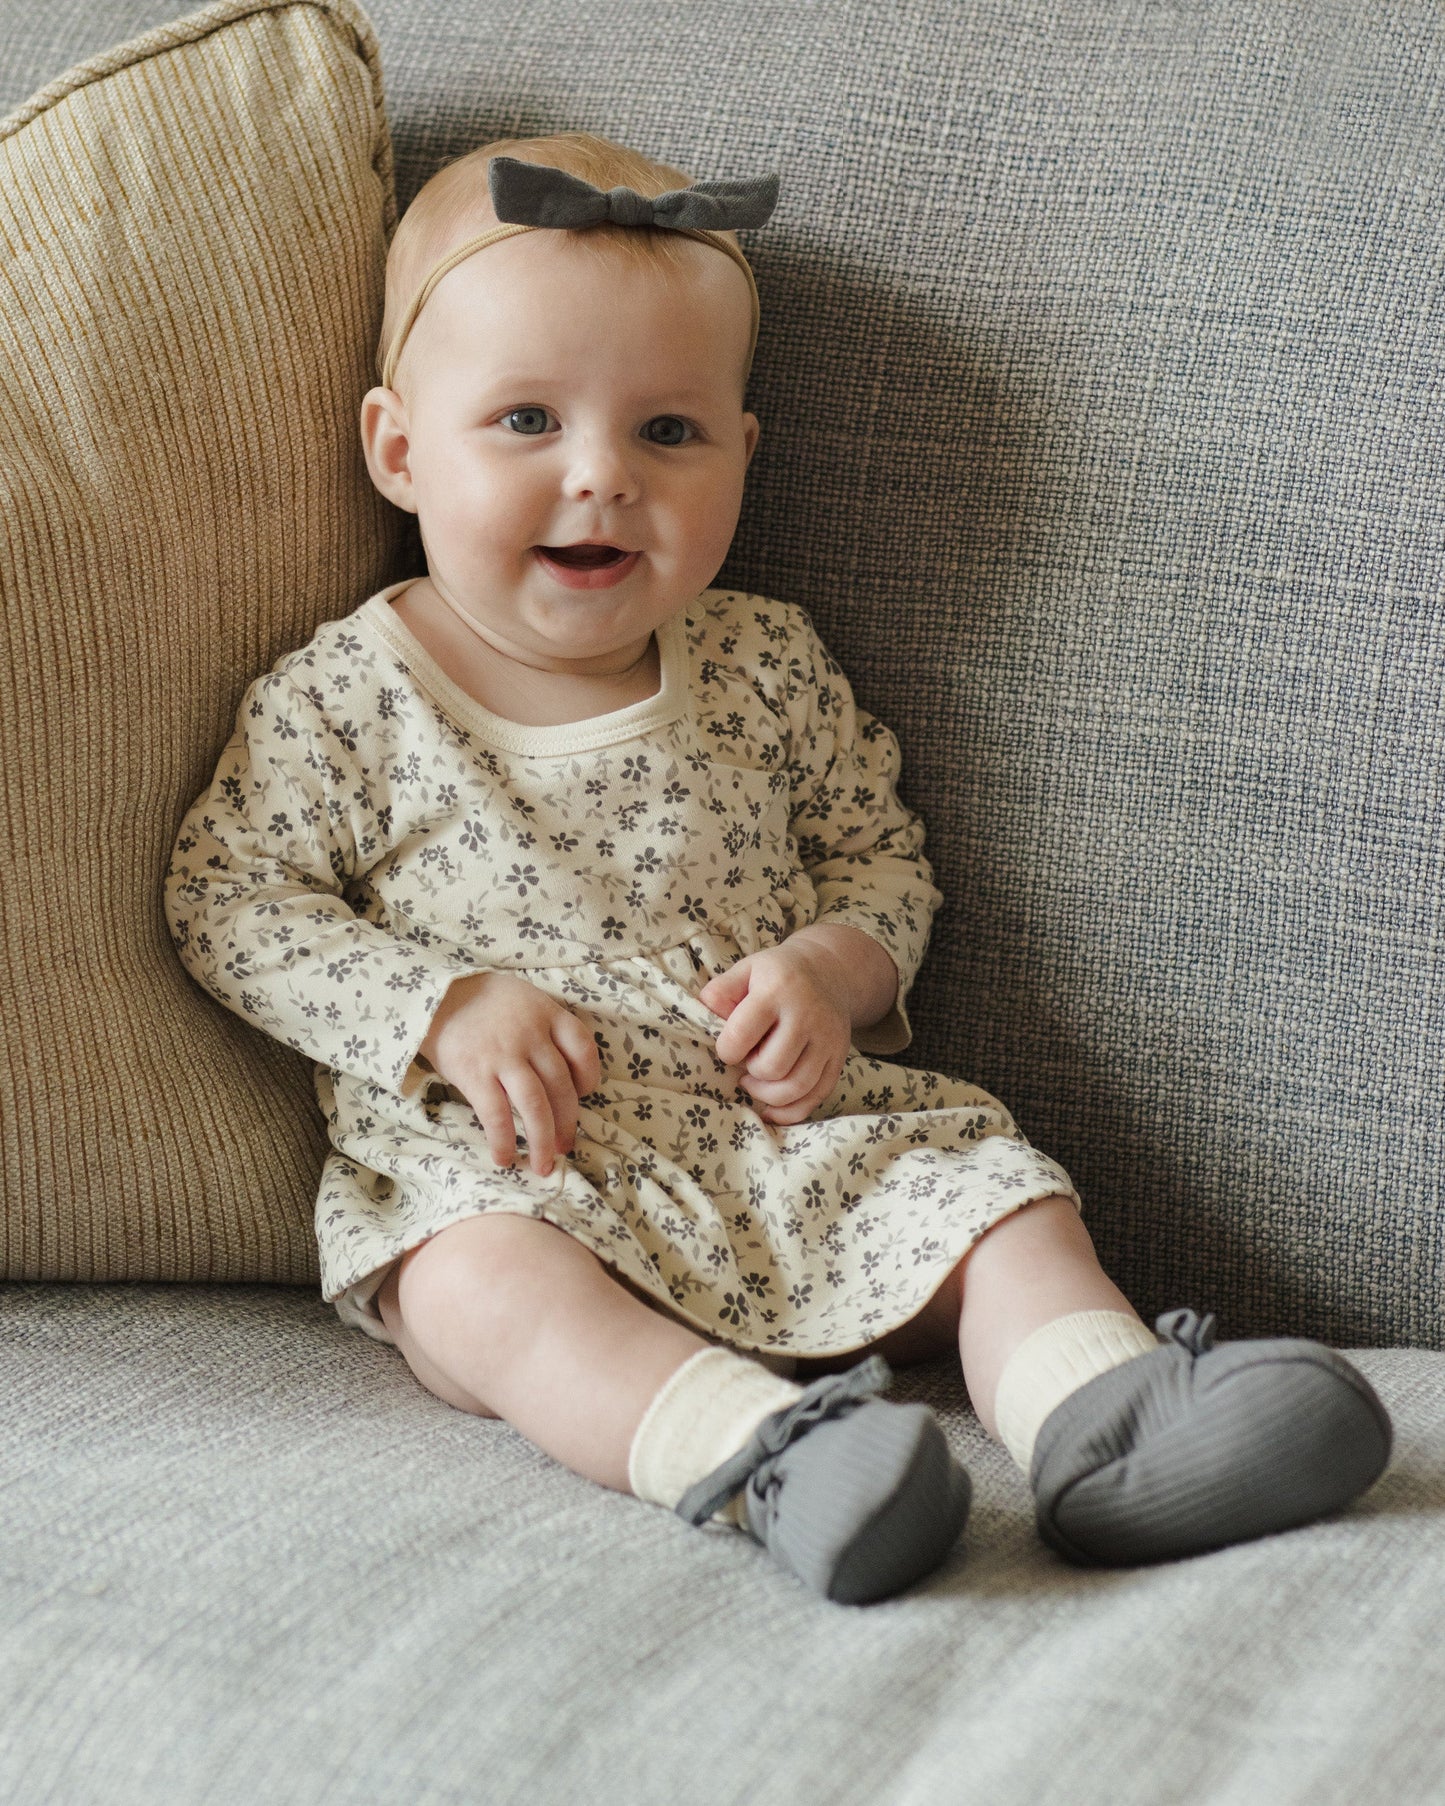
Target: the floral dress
(372, 832)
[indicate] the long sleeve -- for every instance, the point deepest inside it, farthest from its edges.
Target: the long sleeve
(862, 849)
(256, 896)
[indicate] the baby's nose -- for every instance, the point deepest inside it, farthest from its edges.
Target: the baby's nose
(603, 468)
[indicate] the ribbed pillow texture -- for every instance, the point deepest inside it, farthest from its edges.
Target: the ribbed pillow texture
(193, 233)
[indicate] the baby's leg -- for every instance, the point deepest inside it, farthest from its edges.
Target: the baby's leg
(509, 1317)
(1032, 1268)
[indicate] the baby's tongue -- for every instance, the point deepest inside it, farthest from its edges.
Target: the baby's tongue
(585, 556)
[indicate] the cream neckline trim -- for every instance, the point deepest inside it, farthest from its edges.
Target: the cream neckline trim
(670, 700)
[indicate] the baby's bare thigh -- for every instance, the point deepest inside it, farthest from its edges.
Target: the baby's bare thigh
(388, 1303)
(929, 1333)
(487, 1238)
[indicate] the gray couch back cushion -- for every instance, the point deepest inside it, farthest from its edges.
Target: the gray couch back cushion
(1100, 375)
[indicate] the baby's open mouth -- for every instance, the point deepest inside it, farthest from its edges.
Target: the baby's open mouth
(584, 557)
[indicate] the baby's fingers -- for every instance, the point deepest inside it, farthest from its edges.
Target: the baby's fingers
(753, 1018)
(494, 1113)
(800, 1107)
(781, 1052)
(723, 993)
(556, 1076)
(801, 1080)
(533, 1104)
(579, 1049)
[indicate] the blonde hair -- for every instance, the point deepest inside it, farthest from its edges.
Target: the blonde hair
(455, 204)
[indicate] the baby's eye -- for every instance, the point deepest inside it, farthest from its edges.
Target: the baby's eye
(529, 420)
(673, 430)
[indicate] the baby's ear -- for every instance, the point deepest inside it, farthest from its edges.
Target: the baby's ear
(751, 430)
(386, 444)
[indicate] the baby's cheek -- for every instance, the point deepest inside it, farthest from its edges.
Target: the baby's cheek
(469, 509)
(706, 525)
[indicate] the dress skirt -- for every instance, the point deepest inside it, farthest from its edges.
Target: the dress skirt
(810, 1239)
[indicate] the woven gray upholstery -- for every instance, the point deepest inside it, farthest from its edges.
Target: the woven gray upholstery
(246, 1558)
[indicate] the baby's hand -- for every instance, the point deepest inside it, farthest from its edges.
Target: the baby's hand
(504, 1044)
(789, 1025)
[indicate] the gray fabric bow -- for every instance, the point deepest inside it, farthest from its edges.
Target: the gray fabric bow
(535, 194)
(834, 1395)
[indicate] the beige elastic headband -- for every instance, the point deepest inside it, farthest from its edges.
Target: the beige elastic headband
(483, 239)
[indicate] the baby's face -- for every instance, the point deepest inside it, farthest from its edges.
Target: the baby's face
(550, 399)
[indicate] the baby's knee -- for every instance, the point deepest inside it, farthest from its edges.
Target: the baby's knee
(1040, 1230)
(418, 1304)
(486, 1271)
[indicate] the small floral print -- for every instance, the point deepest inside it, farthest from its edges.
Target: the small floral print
(357, 850)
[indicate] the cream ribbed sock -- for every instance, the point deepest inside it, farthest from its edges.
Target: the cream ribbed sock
(703, 1414)
(1056, 1360)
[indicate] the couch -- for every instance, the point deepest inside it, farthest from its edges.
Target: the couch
(1100, 373)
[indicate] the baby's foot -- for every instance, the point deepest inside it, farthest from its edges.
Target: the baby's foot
(1189, 1447)
(857, 1497)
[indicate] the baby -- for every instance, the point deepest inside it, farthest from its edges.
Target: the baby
(589, 890)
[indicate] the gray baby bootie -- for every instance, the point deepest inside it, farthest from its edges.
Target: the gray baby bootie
(1189, 1447)
(857, 1497)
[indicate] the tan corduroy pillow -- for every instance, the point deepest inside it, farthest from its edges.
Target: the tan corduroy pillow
(193, 233)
